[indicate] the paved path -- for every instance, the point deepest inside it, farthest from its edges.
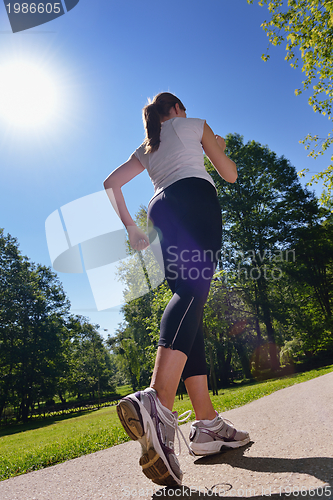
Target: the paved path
(290, 456)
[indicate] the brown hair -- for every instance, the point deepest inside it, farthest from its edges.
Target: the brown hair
(152, 114)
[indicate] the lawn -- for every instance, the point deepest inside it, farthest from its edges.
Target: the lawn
(24, 448)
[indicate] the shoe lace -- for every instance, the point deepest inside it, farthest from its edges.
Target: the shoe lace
(180, 420)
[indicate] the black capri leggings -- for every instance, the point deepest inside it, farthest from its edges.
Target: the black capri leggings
(187, 218)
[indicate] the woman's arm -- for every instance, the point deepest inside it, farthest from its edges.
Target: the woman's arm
(112, 184)
(214, 146)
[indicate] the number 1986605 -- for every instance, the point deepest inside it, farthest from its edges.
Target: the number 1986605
(34, 8)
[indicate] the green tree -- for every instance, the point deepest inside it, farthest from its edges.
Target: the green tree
(260, 211)
(31, 335)
(43, 350)
(134, 344)
(11, 263)
(43, 304)
(315, 256)
(34, 338)
(313, 273)
(307, 26)
(125, 350)
(91, 372)
(229, 341)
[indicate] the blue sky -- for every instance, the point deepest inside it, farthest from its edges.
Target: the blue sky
(105, 59)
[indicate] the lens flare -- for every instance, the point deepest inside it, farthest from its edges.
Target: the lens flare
(238, 327)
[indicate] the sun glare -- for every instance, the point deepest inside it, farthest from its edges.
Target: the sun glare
(27, 95)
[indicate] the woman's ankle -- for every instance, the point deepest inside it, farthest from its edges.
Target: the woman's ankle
(165, 399)
(204, 415)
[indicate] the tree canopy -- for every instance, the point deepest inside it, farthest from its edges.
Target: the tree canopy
(44, 351)
(261, 212)
(307, 27)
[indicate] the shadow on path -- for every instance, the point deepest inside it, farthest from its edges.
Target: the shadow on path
(318, 467)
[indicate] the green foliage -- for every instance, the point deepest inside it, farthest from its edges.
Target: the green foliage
(131, 343)
(91, 371)
(32, 332)
(229, 339)
(311, 283)
(307, 27)
(160, 299)
(135, 342)
(261, 212)
(44, 352)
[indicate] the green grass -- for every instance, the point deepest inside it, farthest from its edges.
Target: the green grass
(123, 390)
(24, 448)
(239, 395)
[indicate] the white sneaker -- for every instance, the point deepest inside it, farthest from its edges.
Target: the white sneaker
(146, 420)
(210, 438)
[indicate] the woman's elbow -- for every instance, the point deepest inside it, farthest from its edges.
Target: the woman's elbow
(231, 173)
(108, 183)
(233, 177)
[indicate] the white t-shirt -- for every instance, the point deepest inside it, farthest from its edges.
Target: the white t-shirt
(179, 154)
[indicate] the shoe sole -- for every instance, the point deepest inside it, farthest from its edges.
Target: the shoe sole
(216, 447)
(132, 414)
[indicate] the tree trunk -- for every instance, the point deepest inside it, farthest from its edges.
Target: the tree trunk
(25, 410)
(224, 367)
(244, 359)
(273, 352)
(212, 374)
(62, 399)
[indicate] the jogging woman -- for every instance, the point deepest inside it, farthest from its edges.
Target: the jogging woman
(186, 215)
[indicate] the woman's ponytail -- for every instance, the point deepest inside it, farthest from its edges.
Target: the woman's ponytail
(152, 121)
(153, 113)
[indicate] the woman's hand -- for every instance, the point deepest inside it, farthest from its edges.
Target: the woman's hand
(138, 239)
(220, 142)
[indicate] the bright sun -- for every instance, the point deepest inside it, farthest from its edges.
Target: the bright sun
(27, 95)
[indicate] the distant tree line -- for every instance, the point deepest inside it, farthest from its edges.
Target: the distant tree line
(45, 352)
(270, 303)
